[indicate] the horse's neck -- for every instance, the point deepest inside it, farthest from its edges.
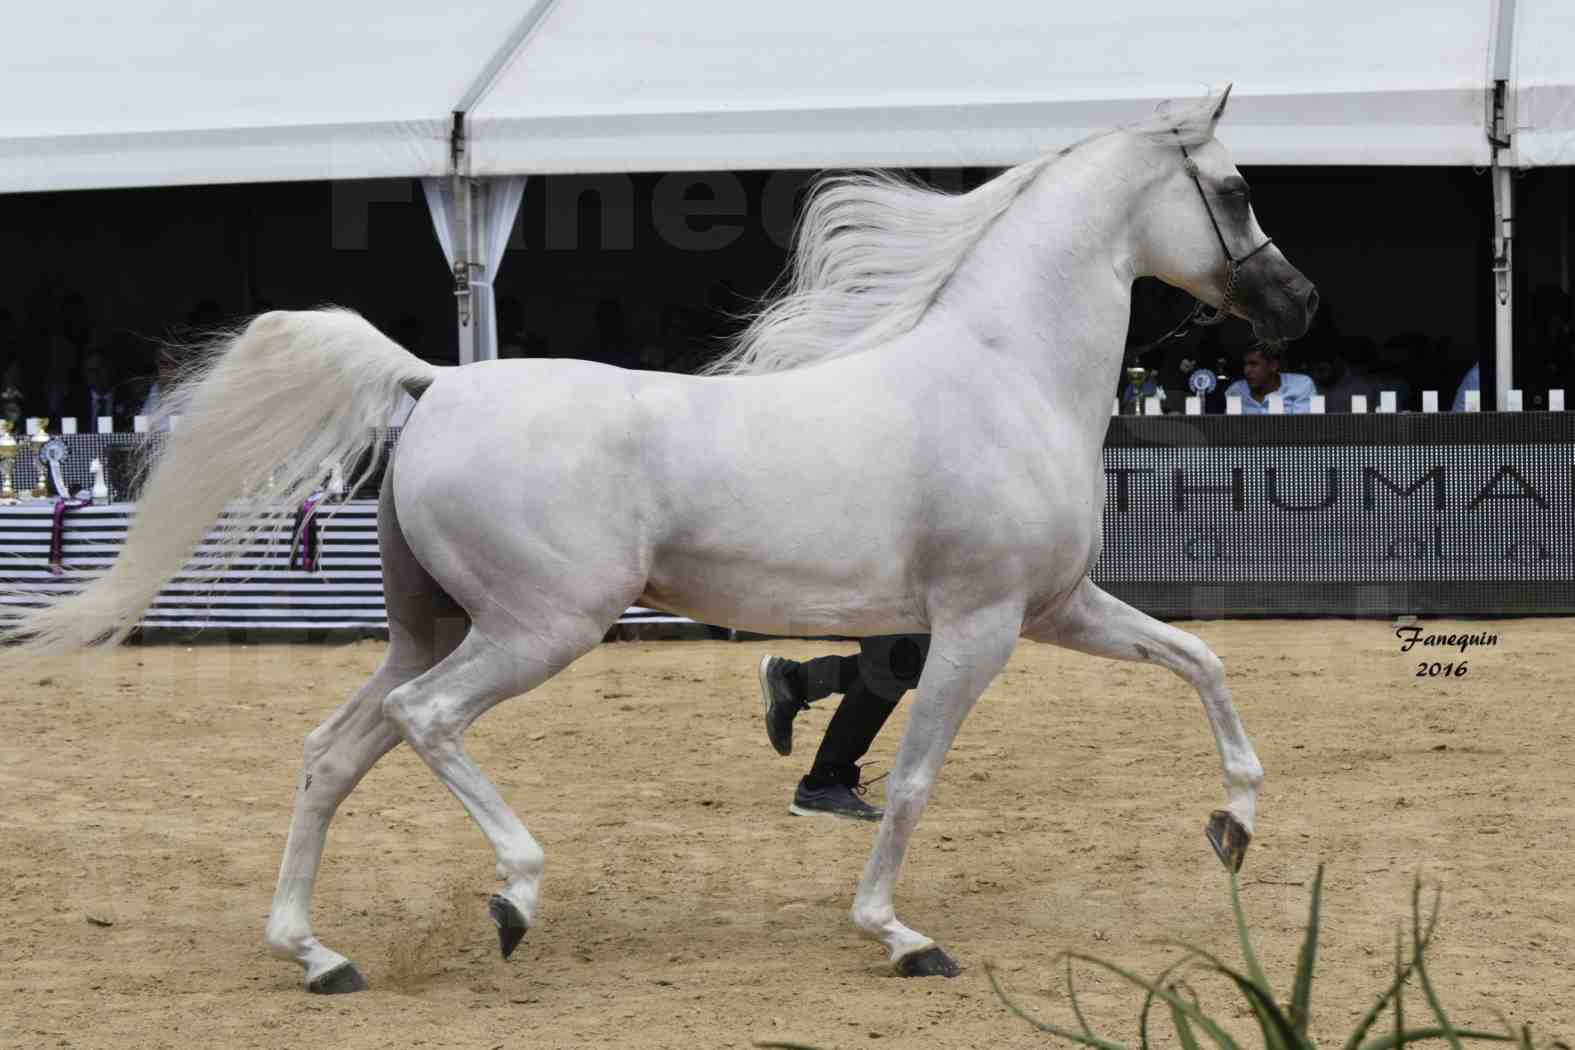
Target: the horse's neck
(1051, 283)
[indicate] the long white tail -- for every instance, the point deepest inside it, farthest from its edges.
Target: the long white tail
(260, 412)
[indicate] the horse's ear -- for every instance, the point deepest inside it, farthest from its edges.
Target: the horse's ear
(1219, 110)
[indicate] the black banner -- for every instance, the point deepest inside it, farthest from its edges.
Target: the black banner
(1341, 515)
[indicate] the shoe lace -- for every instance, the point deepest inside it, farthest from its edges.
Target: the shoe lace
(864, 785)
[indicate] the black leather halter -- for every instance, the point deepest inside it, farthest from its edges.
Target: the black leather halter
(1203, 315)
(1233, 265)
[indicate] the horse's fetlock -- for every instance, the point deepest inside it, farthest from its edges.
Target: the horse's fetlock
(872, 919)
(286, 939)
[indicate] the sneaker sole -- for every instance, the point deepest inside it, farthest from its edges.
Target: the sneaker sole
(765, 705)
(799, 811)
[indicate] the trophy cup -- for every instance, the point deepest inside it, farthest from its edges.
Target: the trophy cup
(1133, 406)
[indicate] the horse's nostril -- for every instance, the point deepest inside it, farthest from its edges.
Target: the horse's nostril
(1312, 302)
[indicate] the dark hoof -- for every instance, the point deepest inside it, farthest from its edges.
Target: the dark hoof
(510, 923)
(931, 962)
(341, 980)
(1229, 839)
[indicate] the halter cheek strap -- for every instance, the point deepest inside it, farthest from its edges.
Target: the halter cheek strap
(1201, 316)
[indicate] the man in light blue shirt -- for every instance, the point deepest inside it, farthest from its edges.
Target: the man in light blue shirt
(1472, 381)
(1261, 367)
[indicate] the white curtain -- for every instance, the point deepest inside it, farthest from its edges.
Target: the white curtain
(495, 203)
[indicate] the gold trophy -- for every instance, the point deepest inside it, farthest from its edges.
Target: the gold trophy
(1134, 404)
(41, 482)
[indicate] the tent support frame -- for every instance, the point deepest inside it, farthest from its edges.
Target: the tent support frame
(1498, 135)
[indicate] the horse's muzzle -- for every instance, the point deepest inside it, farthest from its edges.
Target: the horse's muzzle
(1281, 305)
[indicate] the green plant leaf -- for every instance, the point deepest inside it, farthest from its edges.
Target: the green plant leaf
(1148, 997)
(1220, 1037)
(1400, 976)
(1367, 1020)
(1183, 1030)
(1271, 1023)
(1301, 990)
(1416, 1035)
(1088, 1039)
(1418, 953)
(1253, 969)
(1277, 1028)
(1077, 1010)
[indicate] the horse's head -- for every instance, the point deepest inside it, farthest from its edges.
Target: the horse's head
(1201, 235)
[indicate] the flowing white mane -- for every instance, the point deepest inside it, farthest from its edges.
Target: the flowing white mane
(874, 249)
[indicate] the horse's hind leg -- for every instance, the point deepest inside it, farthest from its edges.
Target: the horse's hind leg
(495, 662)
(1092, 621)
(424, 626)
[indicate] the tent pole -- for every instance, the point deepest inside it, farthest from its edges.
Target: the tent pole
(1503, 282)
(464, 237)
(1503, 210)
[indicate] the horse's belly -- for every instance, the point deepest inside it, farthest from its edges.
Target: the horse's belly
(780, 598)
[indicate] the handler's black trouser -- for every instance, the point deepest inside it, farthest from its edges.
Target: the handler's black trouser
(872, 683)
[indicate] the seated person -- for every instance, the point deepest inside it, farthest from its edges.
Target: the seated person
(1261, 368)
(1471, 381)
(1339, 379)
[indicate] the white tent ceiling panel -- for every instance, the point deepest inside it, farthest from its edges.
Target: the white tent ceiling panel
(623, 85)
(149, 92)
(1545, 83)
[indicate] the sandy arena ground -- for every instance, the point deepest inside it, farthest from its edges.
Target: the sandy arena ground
(146, 795)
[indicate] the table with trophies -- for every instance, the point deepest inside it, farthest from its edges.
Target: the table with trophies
(66, 504)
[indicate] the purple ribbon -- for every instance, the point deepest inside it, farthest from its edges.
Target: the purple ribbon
(57, 532)
(305, 548)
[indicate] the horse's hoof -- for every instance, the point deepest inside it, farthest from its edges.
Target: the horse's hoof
(931, 962)
(1229, 838)
(341, 980)
(510, 923)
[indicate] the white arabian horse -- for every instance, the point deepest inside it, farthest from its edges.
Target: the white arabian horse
(923, 456)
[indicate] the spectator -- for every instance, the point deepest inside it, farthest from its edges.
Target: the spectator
(11, 410)
(98, 396)
(1471, 381)
(1261, 367)
(165, 375)
(1399, 355)
(1339, 377)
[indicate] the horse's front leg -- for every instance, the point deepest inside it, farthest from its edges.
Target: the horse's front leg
(1092, 621)
(965, 654)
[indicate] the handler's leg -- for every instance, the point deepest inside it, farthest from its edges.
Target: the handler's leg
(969, 651)
(787, 687)
(1092, 621)
(888, 667)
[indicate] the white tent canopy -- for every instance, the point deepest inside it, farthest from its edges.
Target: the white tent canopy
(605, 87)
(179, 92)
(164, 92)
(1543, 99)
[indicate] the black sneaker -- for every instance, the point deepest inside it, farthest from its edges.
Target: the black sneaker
(781, 706)
(838, 800)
